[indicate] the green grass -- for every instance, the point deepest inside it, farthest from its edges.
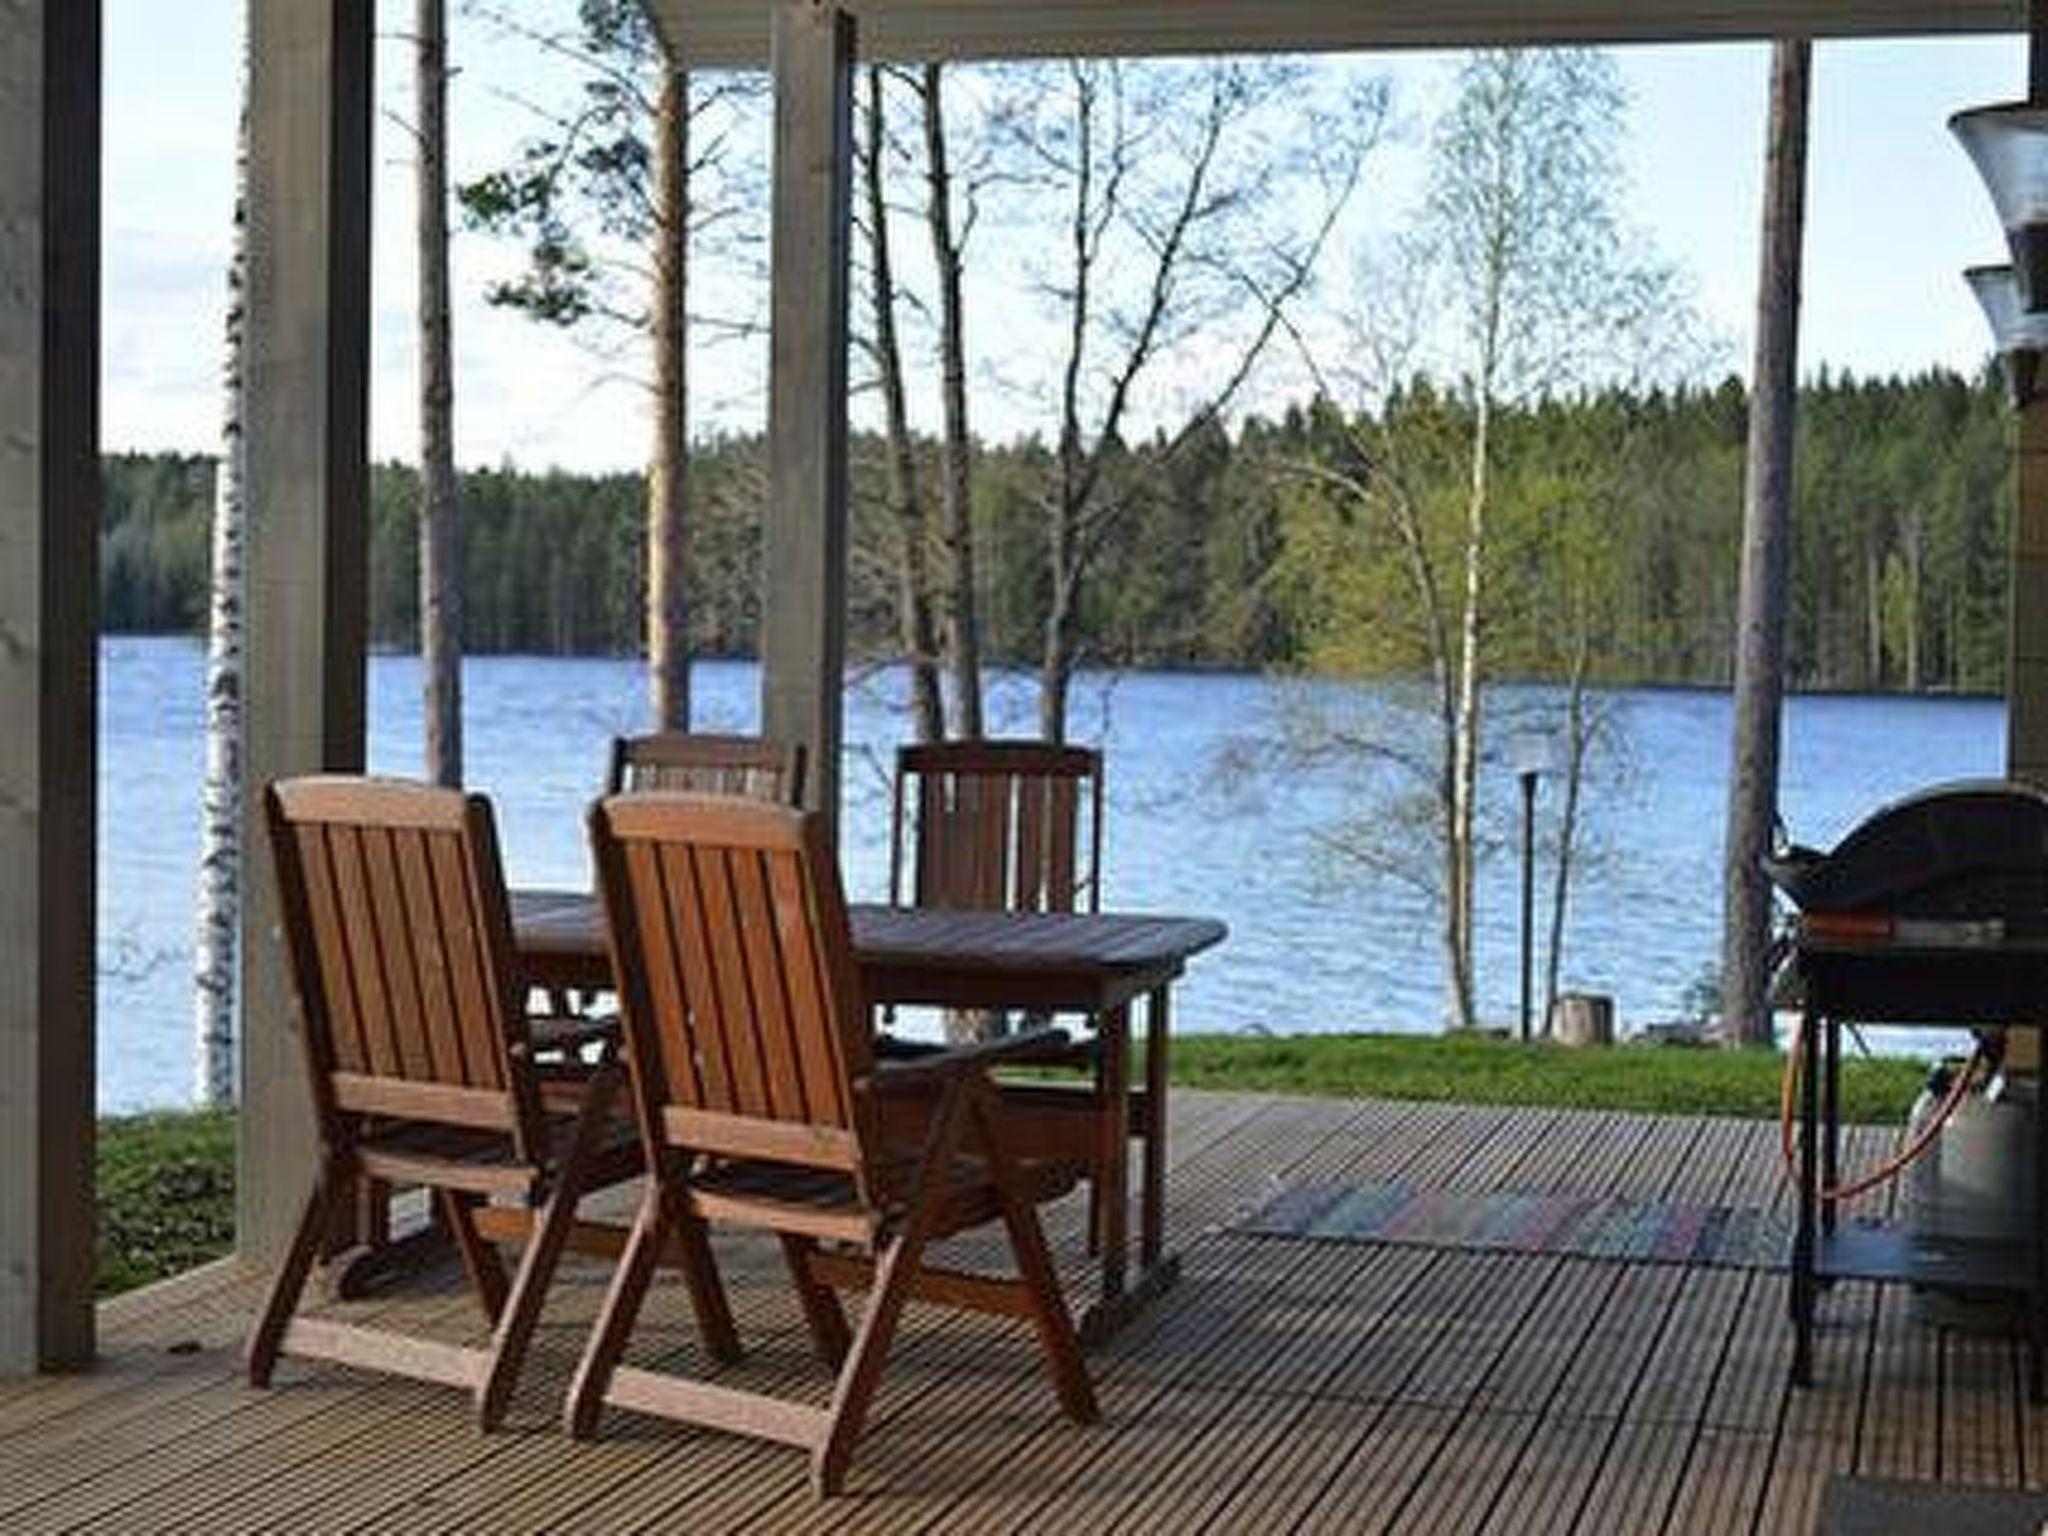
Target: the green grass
(1475, 1069)
(167, 1180)
(167, 1195)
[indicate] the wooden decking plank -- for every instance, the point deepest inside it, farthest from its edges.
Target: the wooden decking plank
(1556, 1466)
(1369, 1490)
(1285, 1384)
(1800, 1466)
(1683, 1370)
(1638, 1479)
(1832, 1408)
(141, 1453)
(1610, 1361)
(1577, 1297)
(1213, 1340)
(1179, 1464)
(1749, 1384)
(946, 1430)
(1901, 1431)
(1284, 1333)
(1385, 1363)
(1476, 1457)
(1278, 1492)
(1982, 1385)
(1721, 1488)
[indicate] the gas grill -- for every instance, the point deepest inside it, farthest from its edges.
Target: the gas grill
(1933, 911)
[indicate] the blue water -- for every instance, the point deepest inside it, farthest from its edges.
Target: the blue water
(1198, 821)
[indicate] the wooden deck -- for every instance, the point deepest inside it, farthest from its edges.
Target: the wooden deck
(1284, 1385)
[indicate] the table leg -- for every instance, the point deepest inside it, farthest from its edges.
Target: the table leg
(1152, 1197)
(1831, 1124)
(2037, 1325)
(1112, 1170)
(1803, 1251)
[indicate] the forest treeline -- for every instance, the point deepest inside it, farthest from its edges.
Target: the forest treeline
(1898, 580)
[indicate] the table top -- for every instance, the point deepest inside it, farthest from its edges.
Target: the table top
(1056, 960)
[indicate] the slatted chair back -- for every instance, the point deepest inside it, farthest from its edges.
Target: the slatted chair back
(752, 767)
(744, 1023)
(399, 938)
(998, 825)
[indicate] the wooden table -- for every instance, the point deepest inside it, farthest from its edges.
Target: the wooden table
(1095, 964)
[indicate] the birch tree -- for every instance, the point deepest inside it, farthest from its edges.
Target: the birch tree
(218, 909)
(1517, 283)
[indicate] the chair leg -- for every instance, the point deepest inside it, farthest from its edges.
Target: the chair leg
(822, 1312)
(1049, 1316)
(614, 1324)
(700, 1273)
(480, 1261)
(894, 1270)
(862, 1372)
(543, 1252)
(521, 1313)
(266, 1338)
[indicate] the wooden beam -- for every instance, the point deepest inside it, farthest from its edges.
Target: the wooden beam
(736, 32)
(306, 419)
(804, 622)
(49, 575)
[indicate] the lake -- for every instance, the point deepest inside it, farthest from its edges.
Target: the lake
(1199, 820)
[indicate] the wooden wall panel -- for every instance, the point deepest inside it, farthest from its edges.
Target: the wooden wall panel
(803, 643)
(49, 568)
(306, 420)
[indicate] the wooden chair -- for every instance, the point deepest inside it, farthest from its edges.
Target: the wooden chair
(752, 767)
(1009, 825)
(759, 1104)
(749, 766)
(399, 943)
(1000, 825)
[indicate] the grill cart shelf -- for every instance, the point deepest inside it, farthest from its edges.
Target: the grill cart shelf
(1878, 982)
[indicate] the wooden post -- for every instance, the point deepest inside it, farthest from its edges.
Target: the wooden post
(803, 644)
(308, 491)
(49, 575)
(1766, 546)
(2026, 667)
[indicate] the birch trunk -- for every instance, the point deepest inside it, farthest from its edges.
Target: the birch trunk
(916, 631)
(1466, 719)
(668, 505)
(1766, 540)
(440, 583)
(963, 618)
(218, 909)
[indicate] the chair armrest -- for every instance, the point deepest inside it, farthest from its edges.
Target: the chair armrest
(920, 1072)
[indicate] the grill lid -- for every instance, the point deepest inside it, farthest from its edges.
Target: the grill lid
(1973, 849)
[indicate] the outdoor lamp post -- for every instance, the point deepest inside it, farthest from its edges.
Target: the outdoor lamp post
(1533, 755)
(2020, 334)
(2008, 144)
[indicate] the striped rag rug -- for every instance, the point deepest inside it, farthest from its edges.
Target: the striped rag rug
(1589, 1226)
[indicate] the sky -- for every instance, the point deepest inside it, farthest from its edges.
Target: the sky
(1895, 212)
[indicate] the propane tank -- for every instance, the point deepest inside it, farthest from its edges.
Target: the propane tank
(1975, 1183)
